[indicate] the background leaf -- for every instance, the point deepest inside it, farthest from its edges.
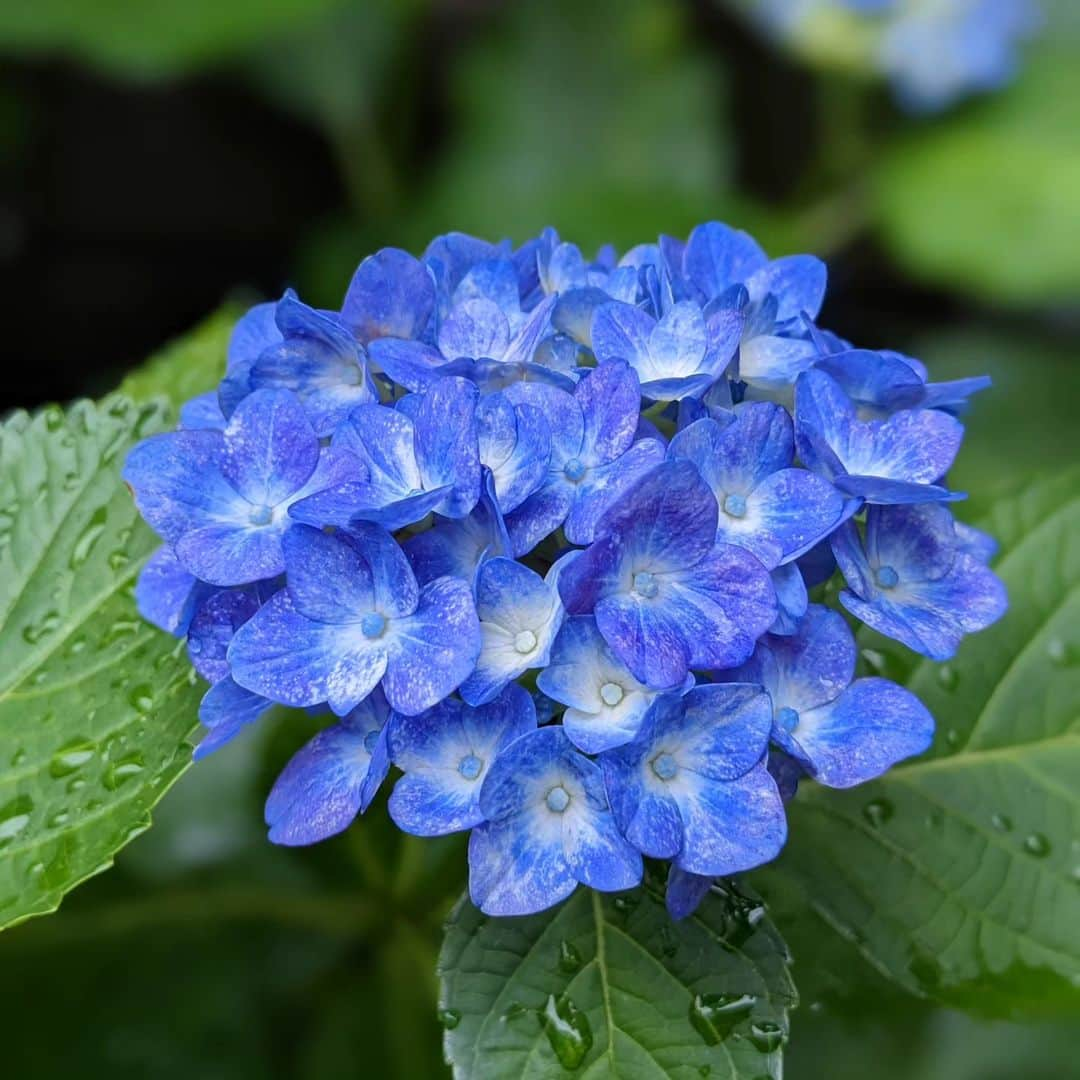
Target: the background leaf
(957, 874)
(95, 705)
(188, 366)
(610, 986)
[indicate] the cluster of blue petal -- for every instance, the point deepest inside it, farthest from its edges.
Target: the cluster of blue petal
(933, 52)
(540, 533)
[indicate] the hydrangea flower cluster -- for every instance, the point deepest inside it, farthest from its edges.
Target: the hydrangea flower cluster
(933, 52)
(540, 533)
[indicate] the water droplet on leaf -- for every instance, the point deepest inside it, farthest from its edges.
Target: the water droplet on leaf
(71, 757)
(569, 958)
(767, 1036)
(449, 1018)
(1037, 844)
(567, 1029)
(715, 1016)
(877, 812)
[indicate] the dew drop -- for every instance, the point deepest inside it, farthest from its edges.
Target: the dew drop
(947, 676)
(624, 906)
(88, 538)
(952, 737)
(767, 1036)
(877, 812)
(71, 757)
(513, 1012)
(61, 817)
(34, 632)
(18, 758)
(141, 697)
(1061, 653)
(14, 817)
(118, 559)
(567, 1029)
(1001, 822)
(569, 958)
(122, 770)
(75, 785)
(449, 1018)
(715, 1016)
(1037, 844)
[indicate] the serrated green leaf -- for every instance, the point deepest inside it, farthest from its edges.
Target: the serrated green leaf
(95, 705)
(188, 366)
(610, 986)
(958, 874)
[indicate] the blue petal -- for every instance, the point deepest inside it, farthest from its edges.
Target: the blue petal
(537, 517)
(560, 409)
(772, 362)
(685, 892)
(282, 655)
(515, 444)
(446, 445)
(165, 593)
(215, 621)
(254, 331)
(869, 728)
(270, 447)
(391, 295)
(433, 650)
(226, 709)
(797, 281)
(717, 256)
(621, 332)
(878, 491)
(520, 614)
(445, 754)
(610, 401)
(412, 364)
(329, 577)
(202, 413)
(524, 344)
(327, 783)
(791, 598)
(475, 329)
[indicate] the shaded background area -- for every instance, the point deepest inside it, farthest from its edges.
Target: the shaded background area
(160, 158)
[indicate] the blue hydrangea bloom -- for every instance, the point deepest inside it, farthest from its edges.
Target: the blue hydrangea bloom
(605, 704)
(332, 778)
(693, 787)
(667, 597)
(446, 753)
(613, 479)
(842, 732)
(352, 618)
(221, 499)
(766, 506)
(912, 580)
(547, 828)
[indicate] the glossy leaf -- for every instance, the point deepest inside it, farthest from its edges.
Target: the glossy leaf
(611, 986)
(957, 874)
(95, 705)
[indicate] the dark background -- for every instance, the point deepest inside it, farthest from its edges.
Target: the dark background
(160, 158)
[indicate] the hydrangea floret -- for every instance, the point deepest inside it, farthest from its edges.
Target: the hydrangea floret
(551, 543)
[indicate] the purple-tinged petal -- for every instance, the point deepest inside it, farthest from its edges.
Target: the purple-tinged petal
(515, 444)
(685, 892)
(621, 332)
(475, 329)
(433, 650)
(166, 594)
(446, 445)
(524, 343)
(390, 295)
(537, 517)
(411, 364)
(216, 620)
(791, 598)
(226, 709)
(610, 401)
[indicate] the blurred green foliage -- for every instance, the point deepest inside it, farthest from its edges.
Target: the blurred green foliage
(208, 952)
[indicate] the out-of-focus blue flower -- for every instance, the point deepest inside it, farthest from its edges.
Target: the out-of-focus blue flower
(766, 506)
(605, 704)
(693, 786)
(446, 753)
(352, 618)
(841, 732)
(419, 457)
(520, 613)
(332, 778)
(594, 458)
(221, 499)
(898, 460)
(547, 828)
(912, 580)
(667, 597)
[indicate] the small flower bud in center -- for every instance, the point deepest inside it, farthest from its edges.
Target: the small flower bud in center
(735, 506)
(664, 766)
(524, 641)
(574, 470)
(373, 624)
(787, 718)
(645, 584)
(612, 693)
(470, 766)
(261, 515)
(558, 799)
(887, 577)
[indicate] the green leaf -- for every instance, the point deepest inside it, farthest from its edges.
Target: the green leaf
(95, 705)
(610, 986)
(188, 366)
(957, 874)
(151, 38)
(979, 203)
